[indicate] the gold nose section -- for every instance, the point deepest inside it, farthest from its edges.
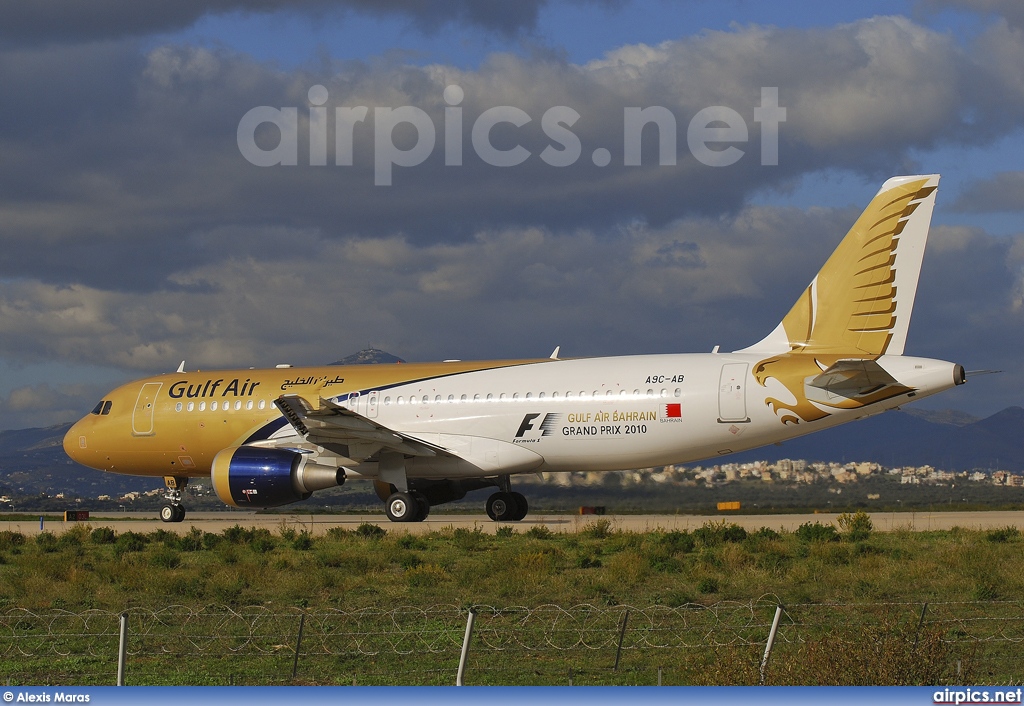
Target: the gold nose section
(76, 442)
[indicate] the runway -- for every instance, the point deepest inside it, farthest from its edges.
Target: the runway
(319, 524)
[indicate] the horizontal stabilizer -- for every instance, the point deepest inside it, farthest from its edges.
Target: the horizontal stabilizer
(851, 378)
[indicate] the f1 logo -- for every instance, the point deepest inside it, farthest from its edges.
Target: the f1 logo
(526, 425)
(545, 427)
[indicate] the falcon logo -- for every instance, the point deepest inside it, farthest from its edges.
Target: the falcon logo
(546, 427)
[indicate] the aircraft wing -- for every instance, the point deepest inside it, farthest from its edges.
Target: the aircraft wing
(346, 432)
(853, 377)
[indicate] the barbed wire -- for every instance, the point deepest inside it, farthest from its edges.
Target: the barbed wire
(225, 630)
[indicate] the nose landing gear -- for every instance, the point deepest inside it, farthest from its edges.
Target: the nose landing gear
(173, 511)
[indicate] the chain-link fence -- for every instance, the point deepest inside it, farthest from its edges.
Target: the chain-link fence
(892, 643)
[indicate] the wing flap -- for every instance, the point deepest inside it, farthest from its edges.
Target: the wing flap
(331, 425)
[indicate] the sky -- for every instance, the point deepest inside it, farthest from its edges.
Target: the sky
(252, 182)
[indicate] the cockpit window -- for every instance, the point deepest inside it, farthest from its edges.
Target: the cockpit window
(98, 408)
(106, 407)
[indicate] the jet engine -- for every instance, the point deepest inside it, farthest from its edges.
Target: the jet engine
(251, 476)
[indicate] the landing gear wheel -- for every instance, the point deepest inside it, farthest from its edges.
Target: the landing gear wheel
(172, 513)
(401, 507)
(422, 504)
(502, 507)
(522, 507)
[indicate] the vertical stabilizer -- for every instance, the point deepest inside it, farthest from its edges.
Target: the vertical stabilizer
(859, 304)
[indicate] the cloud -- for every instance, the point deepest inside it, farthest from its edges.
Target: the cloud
(1001, 192)
(519, 292)
(101, 20)
(127, 162)
(43, 405)
(513, 292)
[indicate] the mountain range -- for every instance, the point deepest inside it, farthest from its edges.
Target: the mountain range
(948, 439)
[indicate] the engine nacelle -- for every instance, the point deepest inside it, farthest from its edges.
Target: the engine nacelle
(251, 476)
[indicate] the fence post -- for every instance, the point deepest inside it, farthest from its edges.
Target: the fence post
(122, 649)
(622, 633)
(465, 646)
(298, 645)
(659, 676)
(771, 641)
(920, 623)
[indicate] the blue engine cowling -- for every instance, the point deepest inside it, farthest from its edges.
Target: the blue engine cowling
(251, 476)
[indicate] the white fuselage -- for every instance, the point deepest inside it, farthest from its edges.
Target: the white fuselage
(603, 414)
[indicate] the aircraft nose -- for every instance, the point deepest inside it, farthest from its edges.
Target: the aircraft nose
(75, 441)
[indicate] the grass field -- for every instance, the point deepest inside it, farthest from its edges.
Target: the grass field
(388, 607)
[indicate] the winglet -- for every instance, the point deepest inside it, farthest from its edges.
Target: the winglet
(181, 367)
(554, 353)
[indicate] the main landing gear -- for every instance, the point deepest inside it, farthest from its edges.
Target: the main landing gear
(505, 505)
(407, 506)
(173, 511)
(413, 504)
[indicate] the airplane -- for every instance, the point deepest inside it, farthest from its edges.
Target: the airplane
(429, 433)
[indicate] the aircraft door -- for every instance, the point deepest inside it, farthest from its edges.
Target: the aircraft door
(145, 407)
(371, 404)
(732, 397)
